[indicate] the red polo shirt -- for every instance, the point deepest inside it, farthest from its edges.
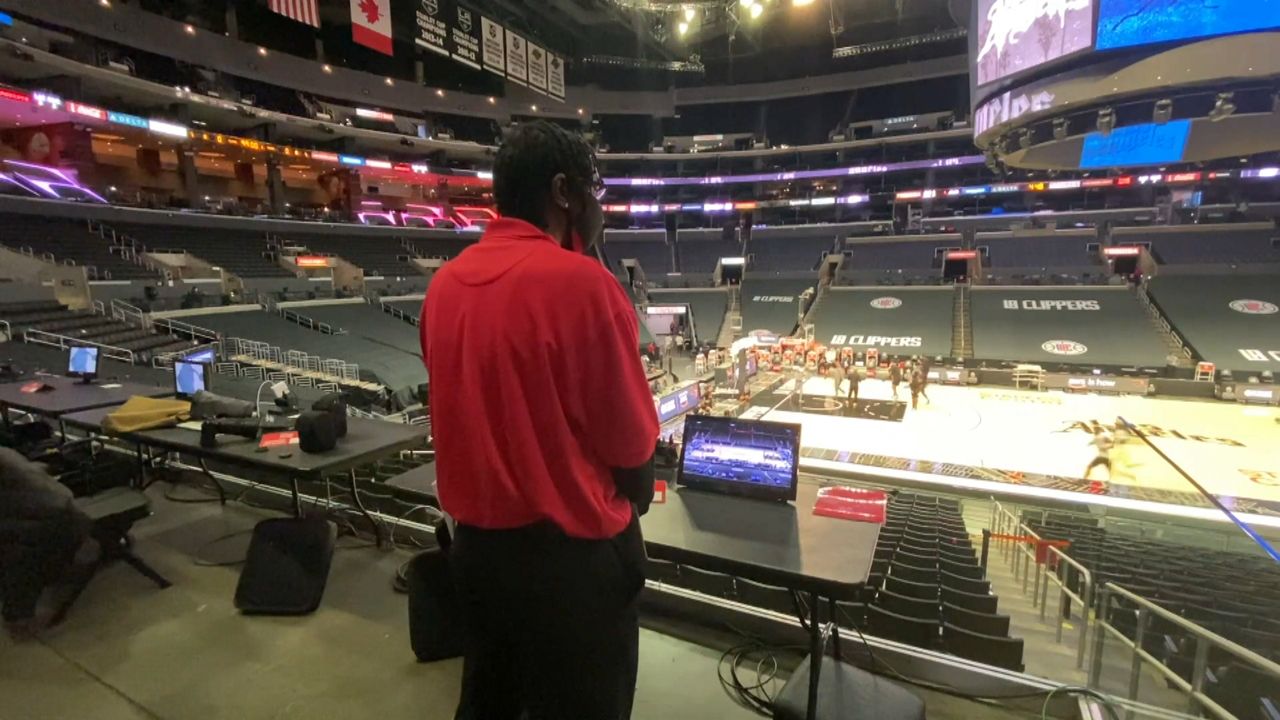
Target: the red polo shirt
(536, 385)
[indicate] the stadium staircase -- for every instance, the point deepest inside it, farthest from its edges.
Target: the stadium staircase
(119, 336)
(961, 324)
(1178, 349)
(731, 328)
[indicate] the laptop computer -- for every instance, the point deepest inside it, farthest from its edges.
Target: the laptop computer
(748, 458)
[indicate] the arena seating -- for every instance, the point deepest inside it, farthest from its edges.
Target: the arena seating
(69, 240)
(772, 303)
(708, 308)
(441, 243)
(240, 253)
(925, 587)
(1206, 245)
(648, 247)
(1056, 326)
(377, 256)
(412, 308)
(895, 261)
(1231, 593)
(792, 248)
(400, 372)
(700, 250)
(52, 317)
(362, 320)
(1039, 252)
(1199, 308)
(901, 321)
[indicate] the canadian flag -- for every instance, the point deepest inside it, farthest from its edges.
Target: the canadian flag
(371, 24)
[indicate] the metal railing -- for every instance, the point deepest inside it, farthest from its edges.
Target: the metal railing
(1023, 556)
(179, 328)
(1084, 599)
(62, 341)
(1205, 641)
(124, 312)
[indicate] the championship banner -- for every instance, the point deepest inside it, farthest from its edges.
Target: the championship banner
(493, 39)
(464, 38)
(517, 62)
(432, 20)
(555, 76)
(538, 68)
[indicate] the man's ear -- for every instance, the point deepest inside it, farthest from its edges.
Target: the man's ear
(560, 190)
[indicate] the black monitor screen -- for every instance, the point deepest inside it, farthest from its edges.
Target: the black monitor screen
(190, 378)
(741, 457)
(83, 361)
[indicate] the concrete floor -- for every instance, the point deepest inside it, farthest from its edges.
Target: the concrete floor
(130, 651)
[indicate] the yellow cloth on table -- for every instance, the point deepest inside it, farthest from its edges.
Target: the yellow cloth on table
(144, 413)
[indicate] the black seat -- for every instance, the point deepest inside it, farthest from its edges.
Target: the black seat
(768, 597)
(956, 582)
(707, 583)
(984, 623)
(113, 513)
(916, 558)
(892, 626)
(909, 606)
(920, 591)
(851, 615)
(1000, 652)
(962, 569)
(970, 601)
(903, 571)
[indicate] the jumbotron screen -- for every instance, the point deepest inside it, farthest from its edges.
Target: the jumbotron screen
(1016, 36)
(1129, 23)
(752, 457)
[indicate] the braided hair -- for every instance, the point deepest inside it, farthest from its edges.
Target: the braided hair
(533, 153)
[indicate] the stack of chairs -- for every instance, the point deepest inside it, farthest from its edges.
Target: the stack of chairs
(927, 588)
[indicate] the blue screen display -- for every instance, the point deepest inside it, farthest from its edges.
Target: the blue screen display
(1148, 144)
(201, 356)
(83, 361)
(189, 378)
(1126, 23)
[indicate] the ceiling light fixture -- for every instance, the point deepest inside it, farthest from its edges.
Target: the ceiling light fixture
(191, 30)
(492, 100)
(756, 11)
(326, 68)
(689, 13)
(534, 108)
(801, 3)
(439, 92)
(262, 51)
(682, 28)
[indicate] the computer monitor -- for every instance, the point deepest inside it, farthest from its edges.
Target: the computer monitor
(82, 362)
(189, 378)
(731, 456)
(207, 355)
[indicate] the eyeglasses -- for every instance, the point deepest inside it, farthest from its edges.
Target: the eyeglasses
(597, 186)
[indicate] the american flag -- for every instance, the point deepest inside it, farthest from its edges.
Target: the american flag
(304, 11)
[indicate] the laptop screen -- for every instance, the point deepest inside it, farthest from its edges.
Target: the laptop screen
(756, 458)
(189, 378)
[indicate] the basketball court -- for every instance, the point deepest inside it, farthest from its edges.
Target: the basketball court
(1034, 443)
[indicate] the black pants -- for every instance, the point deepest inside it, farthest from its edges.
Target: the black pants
(552, 626)
(34, 554)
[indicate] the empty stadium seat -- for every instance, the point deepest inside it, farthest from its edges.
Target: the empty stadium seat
(893, 626)
(64, 240)
(988, 649)
(985, 623)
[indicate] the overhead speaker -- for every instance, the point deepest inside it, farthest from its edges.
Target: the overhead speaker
(316, 431)
(287, 566)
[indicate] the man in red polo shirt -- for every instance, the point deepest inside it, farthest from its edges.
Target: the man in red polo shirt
(544, 432)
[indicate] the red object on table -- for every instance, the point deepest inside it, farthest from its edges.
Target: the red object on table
(277, 439)
(852, 504)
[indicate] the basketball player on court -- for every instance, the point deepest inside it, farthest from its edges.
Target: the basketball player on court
(855, 379)
(895, 376)
(924, 379)
(837, 374)
(1104, 442)
(916, 384)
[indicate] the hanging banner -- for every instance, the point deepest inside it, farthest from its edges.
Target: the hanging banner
(464, 38)
(517, 61)
(537, 68)
(371, 24)
(555, 76)
(432, 18)
(494, 41)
